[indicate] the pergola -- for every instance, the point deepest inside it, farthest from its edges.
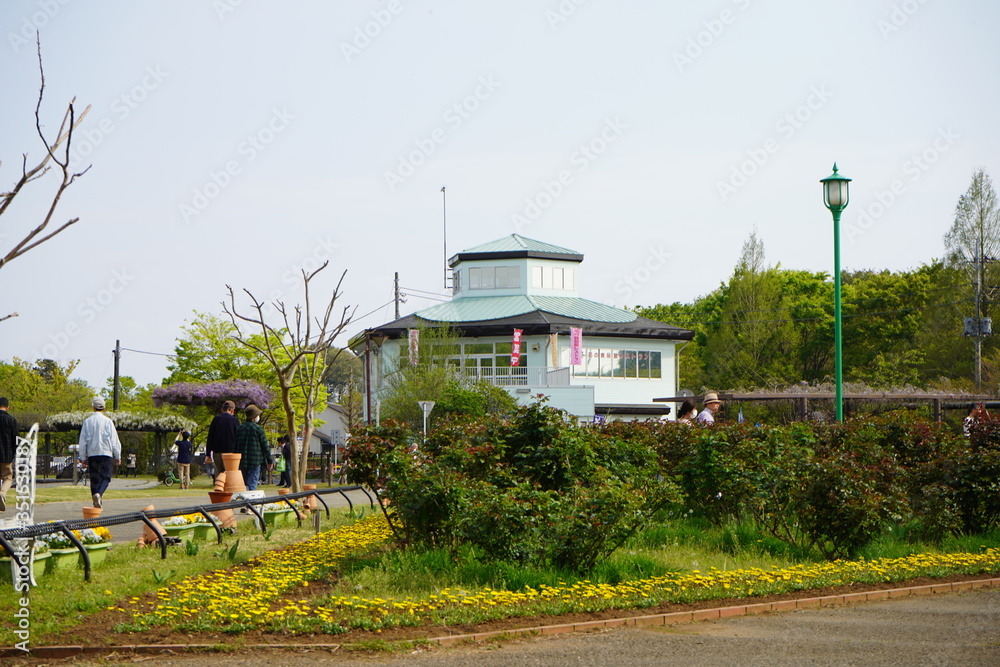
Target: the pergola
(939, 402)
(158, 425)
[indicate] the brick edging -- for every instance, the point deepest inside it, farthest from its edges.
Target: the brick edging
(670, 618)
(678, 617)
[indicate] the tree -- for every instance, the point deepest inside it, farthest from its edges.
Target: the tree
(299, 352)
(973, 243)
(208, 353)
(344, 385)
(755, 343)
(64, 138)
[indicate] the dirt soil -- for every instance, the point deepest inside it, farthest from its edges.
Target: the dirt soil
(98, 629)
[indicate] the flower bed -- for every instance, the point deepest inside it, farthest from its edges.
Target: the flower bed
(252, 598)
(243, 597)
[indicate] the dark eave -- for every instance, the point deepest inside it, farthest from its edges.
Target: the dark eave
(534, 323)
(512, 254)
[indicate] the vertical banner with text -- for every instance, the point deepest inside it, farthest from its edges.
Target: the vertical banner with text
(554, 346)
(575, 346)
(515, 349)
(414, 346)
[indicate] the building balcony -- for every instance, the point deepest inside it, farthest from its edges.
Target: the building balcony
(519, 376)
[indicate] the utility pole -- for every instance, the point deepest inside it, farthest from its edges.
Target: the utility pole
(444, 225)
(117, 384)
(396, 293)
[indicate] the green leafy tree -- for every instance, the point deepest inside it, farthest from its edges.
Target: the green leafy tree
(754, 344)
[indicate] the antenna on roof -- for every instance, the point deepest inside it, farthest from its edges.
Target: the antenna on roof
(444, 225)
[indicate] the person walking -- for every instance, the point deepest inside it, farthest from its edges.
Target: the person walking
(222, 436)
(184, 451)
(130, 464)
(687, 412)
(712, 406)
(251, 442)
(99, 445)
(8, 447)
(286, 456)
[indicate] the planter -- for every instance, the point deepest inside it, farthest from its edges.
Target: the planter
(62, 559)
(92, 512)
(280, 518)
(234, 478)
(150, 536)
(40, 565)
(97, 553)
(225, 517)
(310, 502)
(203, 531)
(185, 532)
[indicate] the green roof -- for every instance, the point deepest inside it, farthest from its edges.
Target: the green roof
(515, 243)
(475, 309)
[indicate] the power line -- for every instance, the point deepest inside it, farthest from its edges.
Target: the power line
(158, 354)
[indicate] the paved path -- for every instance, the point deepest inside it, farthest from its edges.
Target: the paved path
(953, 629)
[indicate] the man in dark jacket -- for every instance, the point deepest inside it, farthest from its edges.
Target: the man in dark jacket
(222, 435)
(8, 446)
(251, 442)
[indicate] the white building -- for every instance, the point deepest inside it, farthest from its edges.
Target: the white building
(519, 283)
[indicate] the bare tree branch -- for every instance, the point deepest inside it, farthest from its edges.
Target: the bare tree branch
(299, 358)
(64, 137)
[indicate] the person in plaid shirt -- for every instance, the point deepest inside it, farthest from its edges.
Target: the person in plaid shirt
(252, 444)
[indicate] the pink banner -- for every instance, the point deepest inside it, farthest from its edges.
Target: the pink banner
(414, 346)
(515, 349)
(575, 346)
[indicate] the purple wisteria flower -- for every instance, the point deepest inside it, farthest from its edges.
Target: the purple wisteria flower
(214, 394)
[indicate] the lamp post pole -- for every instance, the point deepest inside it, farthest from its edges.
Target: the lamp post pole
(836, 194)
(838, 339)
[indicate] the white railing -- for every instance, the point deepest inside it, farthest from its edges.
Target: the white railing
(523, 376)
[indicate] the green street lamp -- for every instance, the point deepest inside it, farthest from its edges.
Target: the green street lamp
(836, 194)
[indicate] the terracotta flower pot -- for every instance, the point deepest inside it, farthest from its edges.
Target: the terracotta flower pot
(147, 534)
(92, 512)
(220, 482)
(220, 496)
(310, 501)
(234, 477)
(225, 517)
(282, 492)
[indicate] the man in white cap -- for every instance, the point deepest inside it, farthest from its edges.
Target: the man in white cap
(99, 445)
(712, 405)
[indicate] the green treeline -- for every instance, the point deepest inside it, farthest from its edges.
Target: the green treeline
(769, 327)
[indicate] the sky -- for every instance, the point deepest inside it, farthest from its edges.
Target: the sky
(237, 142)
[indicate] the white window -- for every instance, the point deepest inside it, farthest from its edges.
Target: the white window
(557, 279)
(494, 277)
(508, 276)
(536, 277)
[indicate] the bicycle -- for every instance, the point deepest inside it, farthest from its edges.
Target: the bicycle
(170, 478)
